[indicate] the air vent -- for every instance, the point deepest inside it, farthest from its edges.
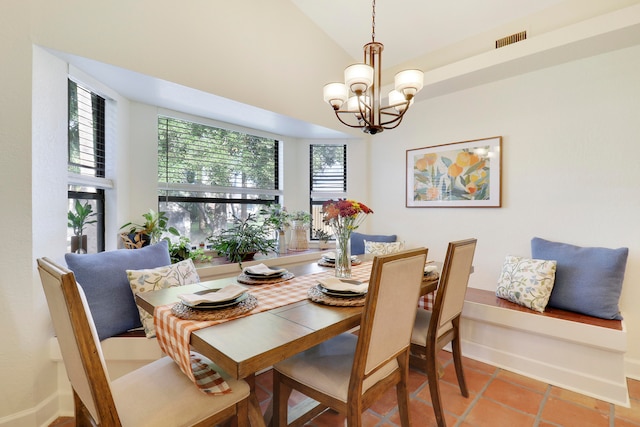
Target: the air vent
(513, 38)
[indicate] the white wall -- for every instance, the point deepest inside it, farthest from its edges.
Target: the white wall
(571, 141)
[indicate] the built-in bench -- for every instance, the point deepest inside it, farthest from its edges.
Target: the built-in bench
(570, 350)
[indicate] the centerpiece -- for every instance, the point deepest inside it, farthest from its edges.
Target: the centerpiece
(343, 216)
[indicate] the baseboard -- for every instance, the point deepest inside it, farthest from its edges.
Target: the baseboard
(632, 368)
(42, 415)
(579, 382)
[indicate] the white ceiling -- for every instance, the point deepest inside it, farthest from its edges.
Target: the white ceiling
(431, 25)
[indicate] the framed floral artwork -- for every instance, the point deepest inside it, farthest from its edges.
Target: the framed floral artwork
(459, 174)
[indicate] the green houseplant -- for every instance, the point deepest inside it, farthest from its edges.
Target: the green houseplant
(275, 217)
(78, 220)
(182, 249)
(302, 218)
(150, 231)
(278, 219)
(243, 239)
(322, 236)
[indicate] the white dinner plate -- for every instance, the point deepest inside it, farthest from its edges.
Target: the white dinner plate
(217, 305)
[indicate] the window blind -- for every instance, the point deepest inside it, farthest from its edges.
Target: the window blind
(199, 158)
(86, 142)
(328, 171)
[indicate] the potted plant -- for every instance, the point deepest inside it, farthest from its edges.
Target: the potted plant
(78, 220)
(300, 218)
(243, 239)
(182, 249)
(277, 218)
(150, 231)
(300, 221)
(322, 236)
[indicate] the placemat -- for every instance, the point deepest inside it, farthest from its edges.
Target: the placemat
(246, 280)
(189, 313)
(323, 263)
(316, 295)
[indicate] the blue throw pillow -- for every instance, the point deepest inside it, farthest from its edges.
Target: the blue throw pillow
(103, 277)
(357, 241)
(588, 280)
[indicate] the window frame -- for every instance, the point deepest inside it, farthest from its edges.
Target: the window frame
(316, 197)
(95, 184)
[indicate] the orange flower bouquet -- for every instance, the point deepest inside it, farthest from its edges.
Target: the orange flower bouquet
(343, 216)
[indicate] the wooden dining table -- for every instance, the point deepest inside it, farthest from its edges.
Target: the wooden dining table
(247, 345)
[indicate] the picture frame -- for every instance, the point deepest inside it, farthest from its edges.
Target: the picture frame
(455, 175)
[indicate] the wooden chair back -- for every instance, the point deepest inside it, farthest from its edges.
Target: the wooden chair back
(78, 339)
(452, 288)
(388, 314)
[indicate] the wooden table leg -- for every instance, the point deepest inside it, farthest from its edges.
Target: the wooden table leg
(256, 418)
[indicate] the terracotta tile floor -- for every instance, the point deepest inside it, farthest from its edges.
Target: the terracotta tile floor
(496, 398)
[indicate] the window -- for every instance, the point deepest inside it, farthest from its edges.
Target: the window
(328, 170)
(86, 160)
(208, 175)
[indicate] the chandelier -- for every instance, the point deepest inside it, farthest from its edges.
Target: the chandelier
(360, 92)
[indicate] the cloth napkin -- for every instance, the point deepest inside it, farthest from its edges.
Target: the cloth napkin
(430, 268)
(227, 293)
(336, 284)
(263, 270)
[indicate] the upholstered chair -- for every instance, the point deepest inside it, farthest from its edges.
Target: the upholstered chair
(348, 372)
(434, 329)
(155, 395)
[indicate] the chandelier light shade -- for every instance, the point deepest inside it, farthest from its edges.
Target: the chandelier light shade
(357, 102)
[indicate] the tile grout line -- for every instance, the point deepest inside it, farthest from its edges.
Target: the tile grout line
(475, 399)
(545, 398)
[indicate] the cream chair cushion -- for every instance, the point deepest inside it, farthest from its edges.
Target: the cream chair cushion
(327, 367)
(161, 384)
(421, 327)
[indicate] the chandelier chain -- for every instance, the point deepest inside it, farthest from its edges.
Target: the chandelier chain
(373, 21)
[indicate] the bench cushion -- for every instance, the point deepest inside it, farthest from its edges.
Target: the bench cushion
(527, 282)
(153, 279)
(357, 241)
(588, 279)
(104, 280)
(382, 248)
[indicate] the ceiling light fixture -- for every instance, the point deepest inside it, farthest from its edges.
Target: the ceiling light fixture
(360, 93)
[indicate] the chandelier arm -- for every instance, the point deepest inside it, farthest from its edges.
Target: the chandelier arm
(397, 118)
(397, 122)
(338, 112)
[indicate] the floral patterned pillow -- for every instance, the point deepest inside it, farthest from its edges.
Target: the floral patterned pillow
(527, 282)
(382, 248)
(178, 274)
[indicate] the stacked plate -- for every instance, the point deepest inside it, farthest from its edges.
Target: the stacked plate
(330, 257)
(343, 288)
(261, 271)
(213, 299)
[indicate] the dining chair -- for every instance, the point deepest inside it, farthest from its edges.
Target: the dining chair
(157, 394)
(434, 329)
(347, 372)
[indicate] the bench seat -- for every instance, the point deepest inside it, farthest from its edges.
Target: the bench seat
(573, 351)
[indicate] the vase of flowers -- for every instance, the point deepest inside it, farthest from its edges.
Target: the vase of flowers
(343, 216)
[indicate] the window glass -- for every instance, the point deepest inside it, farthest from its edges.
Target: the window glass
(328, 178)
(208, 175)
(86, 160)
